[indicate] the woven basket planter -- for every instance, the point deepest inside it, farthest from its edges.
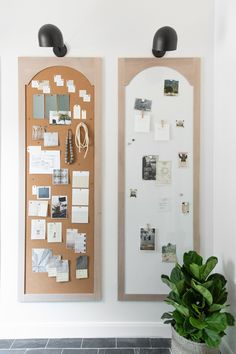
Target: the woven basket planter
(181, 345)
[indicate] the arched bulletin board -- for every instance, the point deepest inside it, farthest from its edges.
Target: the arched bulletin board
(159, 144)
(60, 186)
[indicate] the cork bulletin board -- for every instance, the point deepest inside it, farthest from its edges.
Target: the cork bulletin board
(158, 176)
(36, 102)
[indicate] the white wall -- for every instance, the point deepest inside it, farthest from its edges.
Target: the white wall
(110, 29)
(224, 150)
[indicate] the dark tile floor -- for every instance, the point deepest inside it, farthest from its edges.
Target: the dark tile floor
(86, 346)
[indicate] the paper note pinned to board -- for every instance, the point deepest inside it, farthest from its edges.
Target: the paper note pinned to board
(142, 123)
(162, 131)
(43, 161)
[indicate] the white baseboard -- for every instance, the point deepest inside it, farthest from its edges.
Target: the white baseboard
(225, 349)
(84, 330)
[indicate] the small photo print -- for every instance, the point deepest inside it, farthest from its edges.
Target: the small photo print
(60, 117)
(133, 193)
(183, 159)
(60, 176)
(169, 253)
(179, 123)
(38, 132)
(59, 207)
(43, 192)
(171, 88)
(143, 104)
(147, 239)
(149, 167)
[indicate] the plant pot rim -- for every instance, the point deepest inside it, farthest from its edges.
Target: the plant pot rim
(187, 341)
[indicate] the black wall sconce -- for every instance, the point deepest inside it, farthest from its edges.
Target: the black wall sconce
(165, 40)
(50, 36)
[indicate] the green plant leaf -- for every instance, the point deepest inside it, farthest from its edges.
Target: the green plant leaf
(192, 257)
(203, 291)
(216, 307)
(166, 280)
(211, 338)
(180, 308)
(166, 315)
(181, 286)
(229, 319)
(168, 322)
(197, 323)
(207, 268)
(178, 317)
(217, 322)
(175, 297)
(188, 326)
(176, 275)
(217, 276)
(195, 270)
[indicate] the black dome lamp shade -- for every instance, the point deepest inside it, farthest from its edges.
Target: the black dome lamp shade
(165, 40)
(50, 36)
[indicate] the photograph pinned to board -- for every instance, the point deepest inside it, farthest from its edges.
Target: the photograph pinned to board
(171, 88)
(80, 179)
(133, 193)
(164, 175)
(43, 192)
(162, 131)
(38, 132)
(59, 207)
(147, 239)
(62, 271)
(60, 176)
(185, 208)
(82, 267)
(52, 265)
(54, 232)
(142, 122)
(169, 253)
(38, 229)
(38, 208)
(80, 214)
(60, 117)
(50, 139)
(141, 104)
(149, 167)
(179, 123)
(40, 259)
(183, 159)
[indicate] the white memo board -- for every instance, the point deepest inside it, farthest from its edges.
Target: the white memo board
(140, 270)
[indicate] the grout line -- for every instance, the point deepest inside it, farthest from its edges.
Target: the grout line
(62, 351)
(81, 344)
(47, 343)
(12, 344)
(116, 340)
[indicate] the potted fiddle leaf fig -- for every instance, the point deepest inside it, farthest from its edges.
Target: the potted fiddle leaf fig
(198, 320)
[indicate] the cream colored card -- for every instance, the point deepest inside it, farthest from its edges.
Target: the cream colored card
(51, 139)
(164, 173)
(52, 266)
(83, 114)
(142, 123)
(76, 111)
(162, 131)
(80, 196)
(38, 208)
(38, 229)
(80, 243)
(54, 232)
(80, 179)
(79, 214)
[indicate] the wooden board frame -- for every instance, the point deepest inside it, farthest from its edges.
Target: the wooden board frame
(128, 68)
(91, 68)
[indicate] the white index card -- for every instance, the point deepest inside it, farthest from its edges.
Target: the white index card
(62, 271)
(142, 123)
(60, 83)
(34, 84)
(87, 98)
(54, 232)
(38, 208)
(80, 179)
(80, 243)
(71, 88)
(46, 89)
(51, 139)
(44, 161)
(34, 190)
(82, 93)
(83, 114)
(38, 229)
(57, 78)
(80, 196)
(162, 131)
(76, 111)
(79, 214)
(69, 82)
